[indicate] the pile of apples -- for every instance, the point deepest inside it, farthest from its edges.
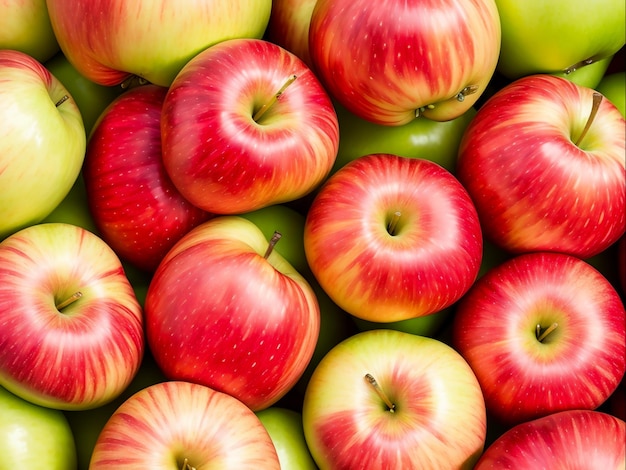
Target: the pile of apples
(335, 234)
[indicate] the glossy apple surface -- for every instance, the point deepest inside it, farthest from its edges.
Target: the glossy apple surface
(390, 61)
(438, 418)
(537, 182)
(613, 87)
(177, 425)
(255, 158)
(289, 26)
(568, 439)
(72, 335)
(384, 267)
(109, 41)
(42, 141)
(543, 332)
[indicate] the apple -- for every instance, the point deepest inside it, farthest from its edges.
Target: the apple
(90, 97)
(288, 26)
(135, 206)
(176, 425)
(285, 429)
(42, 141)
(72, 335)
(226, 310)
(112, 41)
(391, 238)
(271, 128)
(422, 138)
(391, 61)
(543, 332)
(543, 161)
(389, 399)
(613, 87)
(32, 436)
(25, 27)
(560, 36)
(567, 439)
(74, 208)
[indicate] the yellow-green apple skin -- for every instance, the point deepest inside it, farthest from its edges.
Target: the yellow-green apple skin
(552, 37)
(108, 41)
(613, 87)
(25, 27)
(33, 436)
(284, 426)
(42, 141)
(438, 418)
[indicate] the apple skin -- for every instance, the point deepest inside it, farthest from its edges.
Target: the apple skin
(249, 164)
(288, 26)
(109, 41)
(567, 439)
(533, 187)
(32, 436)
(25, 27)
(540, 37)
(613, 87)
(389, 61)
(163, 424)
(577, 366)
(42, 144)
(285, 428)
(427, 264)
(137, 209)
(84, 355)
(221, 314)
(439, 419)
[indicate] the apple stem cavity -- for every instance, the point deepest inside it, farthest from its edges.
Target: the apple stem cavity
(274, 98)
(541, 336)
(468, 90)
(383, 396)
(272, 244)
(62, 100)
(595, 106)
(70, 300)
(187, 466)
(393, 223)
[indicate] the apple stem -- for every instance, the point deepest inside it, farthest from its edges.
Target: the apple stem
(62, 100)
(71, 299)
(272, 244)
(186, 465)
(595, 106)
(132, 82)
(274, 98)
(577, 65)
(550, 329)
(468, 90)
(393, 223)
(372, 381)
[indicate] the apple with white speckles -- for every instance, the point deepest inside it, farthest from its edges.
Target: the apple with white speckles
(226, 310)
(543, 161)
(134, 204)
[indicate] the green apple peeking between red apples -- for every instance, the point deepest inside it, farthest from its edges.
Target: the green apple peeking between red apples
(613, 87)
(72, 335)
(110, 41)
(42, 141)
(33, 436)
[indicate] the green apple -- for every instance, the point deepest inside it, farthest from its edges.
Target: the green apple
(285, 429)
(34, 437)
(558, 36)
(425, 138)
(428, 325)
(90, 97)
(613, 87)
(42, 141)
(25, 26)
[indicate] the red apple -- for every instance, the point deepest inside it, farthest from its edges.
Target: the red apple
(539, 181)
(225, 310)
(390, 61)
(289, 26)
(134, 204)
(543, 332)
(234, 140)
(391, 238)
(72, 328)
(569, 439)
(176, 425)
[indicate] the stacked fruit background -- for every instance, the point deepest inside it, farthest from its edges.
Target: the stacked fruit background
(299, 234)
